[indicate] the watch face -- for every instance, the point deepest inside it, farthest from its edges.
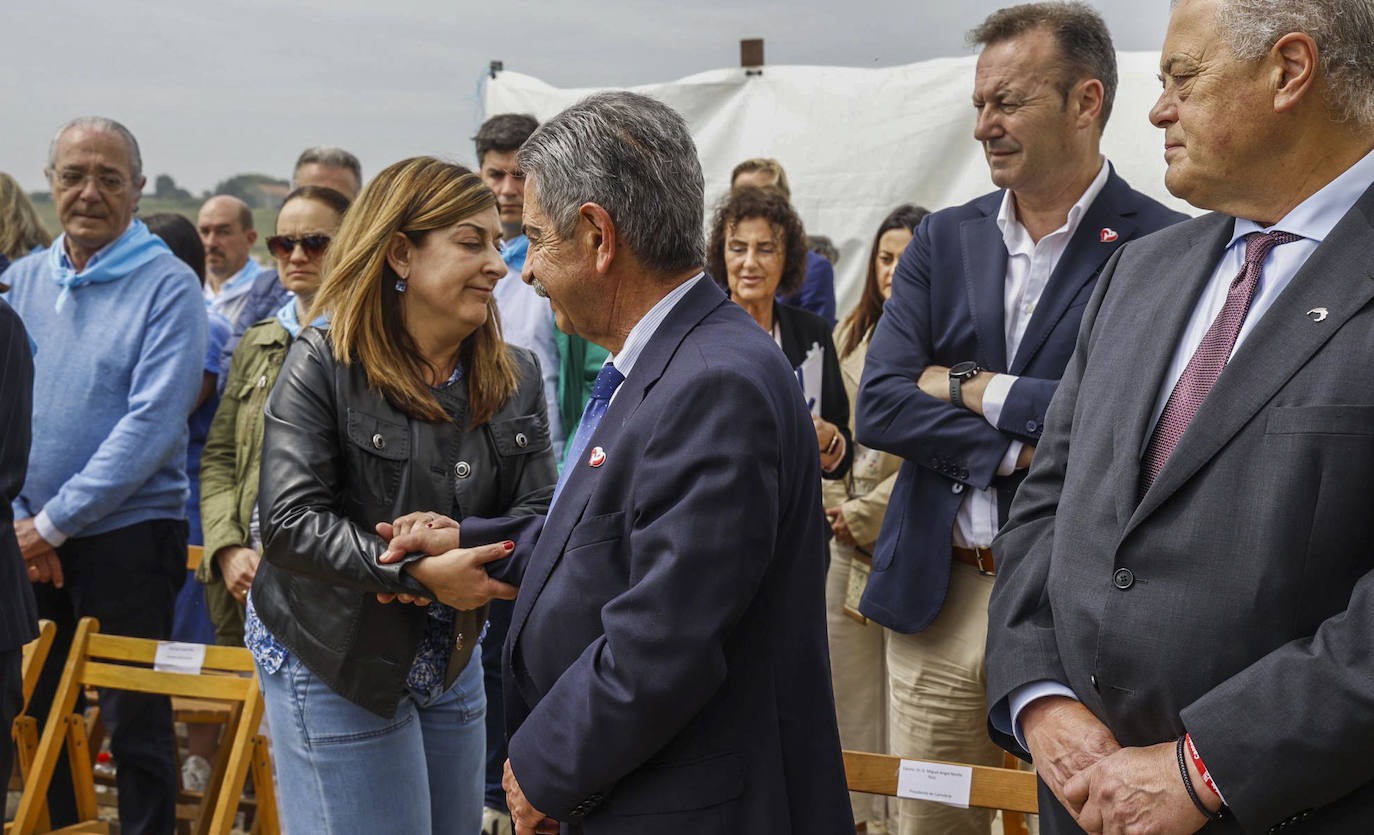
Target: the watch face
(964, 369)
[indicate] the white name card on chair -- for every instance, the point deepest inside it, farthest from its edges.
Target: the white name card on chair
(177, 657)
(948, 784)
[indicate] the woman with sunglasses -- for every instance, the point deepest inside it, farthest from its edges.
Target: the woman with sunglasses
(309, 218)
(410, 402)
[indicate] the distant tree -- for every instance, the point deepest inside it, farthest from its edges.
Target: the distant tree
(166, 189)
(40, 196)
(257, 190)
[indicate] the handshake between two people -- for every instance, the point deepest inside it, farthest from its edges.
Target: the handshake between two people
(455, 575)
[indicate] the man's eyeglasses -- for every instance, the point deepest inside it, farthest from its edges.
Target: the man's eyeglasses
(71, 178)
(281, 246)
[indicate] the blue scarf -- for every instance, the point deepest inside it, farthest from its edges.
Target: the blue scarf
(136, 247)
(290, 320)
(513, 252)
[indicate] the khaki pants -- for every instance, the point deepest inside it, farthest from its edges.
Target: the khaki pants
(858, 672)
(938, 707)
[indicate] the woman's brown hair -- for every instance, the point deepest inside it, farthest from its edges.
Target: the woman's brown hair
(750, 202)
(861, 321)
(414, 197)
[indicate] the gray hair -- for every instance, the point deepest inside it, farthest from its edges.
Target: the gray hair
(102, 125)
(634, 157)
(329, 155)
(1343, 30)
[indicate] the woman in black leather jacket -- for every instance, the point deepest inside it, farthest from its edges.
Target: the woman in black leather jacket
(410, 402)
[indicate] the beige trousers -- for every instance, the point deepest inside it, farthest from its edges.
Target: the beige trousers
(937, 681)
(858, 672)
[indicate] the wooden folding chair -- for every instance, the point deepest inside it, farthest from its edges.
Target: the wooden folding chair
(24, 733)
(89, 664)
(1008, 789)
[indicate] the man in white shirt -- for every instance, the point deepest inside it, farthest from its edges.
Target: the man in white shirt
(226, 229)
(1185, 590)
(984, 312)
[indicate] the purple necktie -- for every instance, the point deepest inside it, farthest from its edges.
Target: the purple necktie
(1210, 358)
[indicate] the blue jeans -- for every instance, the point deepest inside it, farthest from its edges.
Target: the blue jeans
(343, 768)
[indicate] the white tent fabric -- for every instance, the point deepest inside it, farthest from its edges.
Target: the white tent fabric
(858, 142)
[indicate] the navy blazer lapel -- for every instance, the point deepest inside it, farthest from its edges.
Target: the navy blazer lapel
(985, 276)
(1166, 304)
(1081, 262)
(1339, 276)
(572, 501)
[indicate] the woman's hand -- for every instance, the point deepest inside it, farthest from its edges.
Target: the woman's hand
(426, 532)
(237, 566)
(459, 578)
(830, 442)
(839, 527)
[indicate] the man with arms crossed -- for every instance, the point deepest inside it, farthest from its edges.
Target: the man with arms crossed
(1181, 625)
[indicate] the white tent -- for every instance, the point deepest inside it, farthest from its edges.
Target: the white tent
(858, 142)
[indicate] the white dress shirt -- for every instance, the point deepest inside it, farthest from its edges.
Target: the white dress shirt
(643, 331)
(1030, 264)
(527, 321)
(1313, 219)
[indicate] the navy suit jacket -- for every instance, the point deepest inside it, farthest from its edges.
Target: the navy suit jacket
(947, 307)
(18, 614)
(666, 667)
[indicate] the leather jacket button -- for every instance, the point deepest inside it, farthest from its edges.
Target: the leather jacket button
(1123, 578)
(521, 441)
(1031, 426)
(956, 487)
(462, 469)
(378, 441)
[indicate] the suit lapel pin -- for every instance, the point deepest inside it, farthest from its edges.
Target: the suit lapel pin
(1107, 235)
(1318, 314)
(597, 458)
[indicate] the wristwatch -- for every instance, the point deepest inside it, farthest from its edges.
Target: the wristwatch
(957, 375)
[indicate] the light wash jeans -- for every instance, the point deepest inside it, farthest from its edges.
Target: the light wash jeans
(342, 768)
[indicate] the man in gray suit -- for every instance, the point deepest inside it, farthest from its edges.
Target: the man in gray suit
(1181, 625)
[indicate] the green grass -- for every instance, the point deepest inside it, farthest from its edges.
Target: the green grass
(264, 220)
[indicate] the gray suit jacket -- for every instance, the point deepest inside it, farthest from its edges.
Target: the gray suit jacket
(1236, 599)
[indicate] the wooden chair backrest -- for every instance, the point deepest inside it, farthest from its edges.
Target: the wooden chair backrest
(194, 554)
(34, 656)
(1007, 789)
(122, 663)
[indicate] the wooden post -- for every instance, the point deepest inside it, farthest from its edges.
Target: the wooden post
(751, 55)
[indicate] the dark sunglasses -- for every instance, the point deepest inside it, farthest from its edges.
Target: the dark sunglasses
(281, 246)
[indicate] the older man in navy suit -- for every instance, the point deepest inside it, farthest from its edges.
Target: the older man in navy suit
(666, 666)
(985, 308)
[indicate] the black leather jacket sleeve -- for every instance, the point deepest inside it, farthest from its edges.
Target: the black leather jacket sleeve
(302, 483)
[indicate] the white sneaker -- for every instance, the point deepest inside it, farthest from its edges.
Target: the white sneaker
(195, 773)
(496, 822)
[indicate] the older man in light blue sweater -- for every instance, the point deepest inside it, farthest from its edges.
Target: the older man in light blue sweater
(119, 328)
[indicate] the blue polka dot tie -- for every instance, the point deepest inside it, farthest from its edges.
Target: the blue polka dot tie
(608, 379)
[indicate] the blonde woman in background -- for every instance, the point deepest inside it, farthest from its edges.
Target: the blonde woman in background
(21, 232)
(856, 505)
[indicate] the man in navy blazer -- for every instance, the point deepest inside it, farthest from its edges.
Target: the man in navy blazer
(985, 308)
(666, 665)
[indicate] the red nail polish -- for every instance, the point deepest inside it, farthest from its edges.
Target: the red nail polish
(508, 545)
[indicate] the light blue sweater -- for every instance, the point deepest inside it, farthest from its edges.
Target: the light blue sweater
(116, 373)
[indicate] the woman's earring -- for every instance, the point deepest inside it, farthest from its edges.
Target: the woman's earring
(400, 284)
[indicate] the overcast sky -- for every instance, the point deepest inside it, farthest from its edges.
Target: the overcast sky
(216, 89)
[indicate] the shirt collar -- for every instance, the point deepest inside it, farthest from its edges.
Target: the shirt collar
(1015, 236)
(237, 285)
(1315, 217)
(645, 328)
